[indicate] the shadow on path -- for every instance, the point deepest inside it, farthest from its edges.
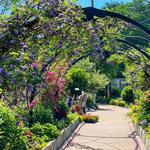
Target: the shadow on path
(105, 109)
(81, 146)
(103, 136)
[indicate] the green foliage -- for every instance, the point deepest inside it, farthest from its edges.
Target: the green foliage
(90, 102)
(111, 70)
(77, 78)
(61, 124)
(115, 92)
(61, 110)
(43, 114)
(101, 96)
(47, 129)
(11, 136)
(40, 142)
(72, 117)
(148, 132)
(98, 80)
(141, 110)
(118, 102)
(127, 94)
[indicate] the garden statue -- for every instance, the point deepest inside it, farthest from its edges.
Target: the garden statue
(82, 102)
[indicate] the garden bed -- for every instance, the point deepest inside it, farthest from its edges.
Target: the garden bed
(66, 133)
(143, 135)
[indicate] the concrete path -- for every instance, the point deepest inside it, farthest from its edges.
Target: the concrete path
(114, 131)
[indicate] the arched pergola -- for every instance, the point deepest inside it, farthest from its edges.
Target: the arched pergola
(90, 12)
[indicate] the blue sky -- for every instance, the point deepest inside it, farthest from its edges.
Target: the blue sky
(99, 3)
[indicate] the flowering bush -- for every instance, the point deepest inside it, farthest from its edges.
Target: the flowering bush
(90, 118)
(56, 84)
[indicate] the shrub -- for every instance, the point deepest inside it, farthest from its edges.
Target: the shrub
(61, 110)
(42, 114)
(47, 129)
(127, 94)
(118, 102)
(39, 142)
(11, 136)
(72, 117)
(77, 78)
(90, 118)
(90, 102)
(121, 103)
(134, 109)
(61, 124)
(115, 92)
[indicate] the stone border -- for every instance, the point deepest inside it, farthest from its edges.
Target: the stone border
(142, 135)
(57, 143)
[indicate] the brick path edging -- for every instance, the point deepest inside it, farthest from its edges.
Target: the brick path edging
(57, 143)
(142, 135)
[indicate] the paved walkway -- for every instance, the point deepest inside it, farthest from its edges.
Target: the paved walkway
(112, 132)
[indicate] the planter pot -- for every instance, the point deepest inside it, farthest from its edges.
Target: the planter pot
(66, 133)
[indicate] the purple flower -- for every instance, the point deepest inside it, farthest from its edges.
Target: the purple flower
(60, 44)
(70, 11)
(13, 80)
(31, 55)
(16, 32)
(2, 71)
(30, 88)
(96, 29)
(51, 13)
(117, 49)
(1, 81)
(19, 72)
(17, 116)
(13, 42)
(60, 15)
(17, 123)
(65, 20)
(11, 66)
(23, 67)
(79, 13)
(143, 123)
(23, 34)
(18, 59)
(34, 65)
(24, 45)
(97, 49)
(100, 23)
(85, 25)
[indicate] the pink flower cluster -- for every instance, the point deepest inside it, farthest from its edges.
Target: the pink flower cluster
(34, 65)
(56, 84)
(32, 104)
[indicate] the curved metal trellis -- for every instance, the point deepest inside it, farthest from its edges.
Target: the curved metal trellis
(90, 12)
